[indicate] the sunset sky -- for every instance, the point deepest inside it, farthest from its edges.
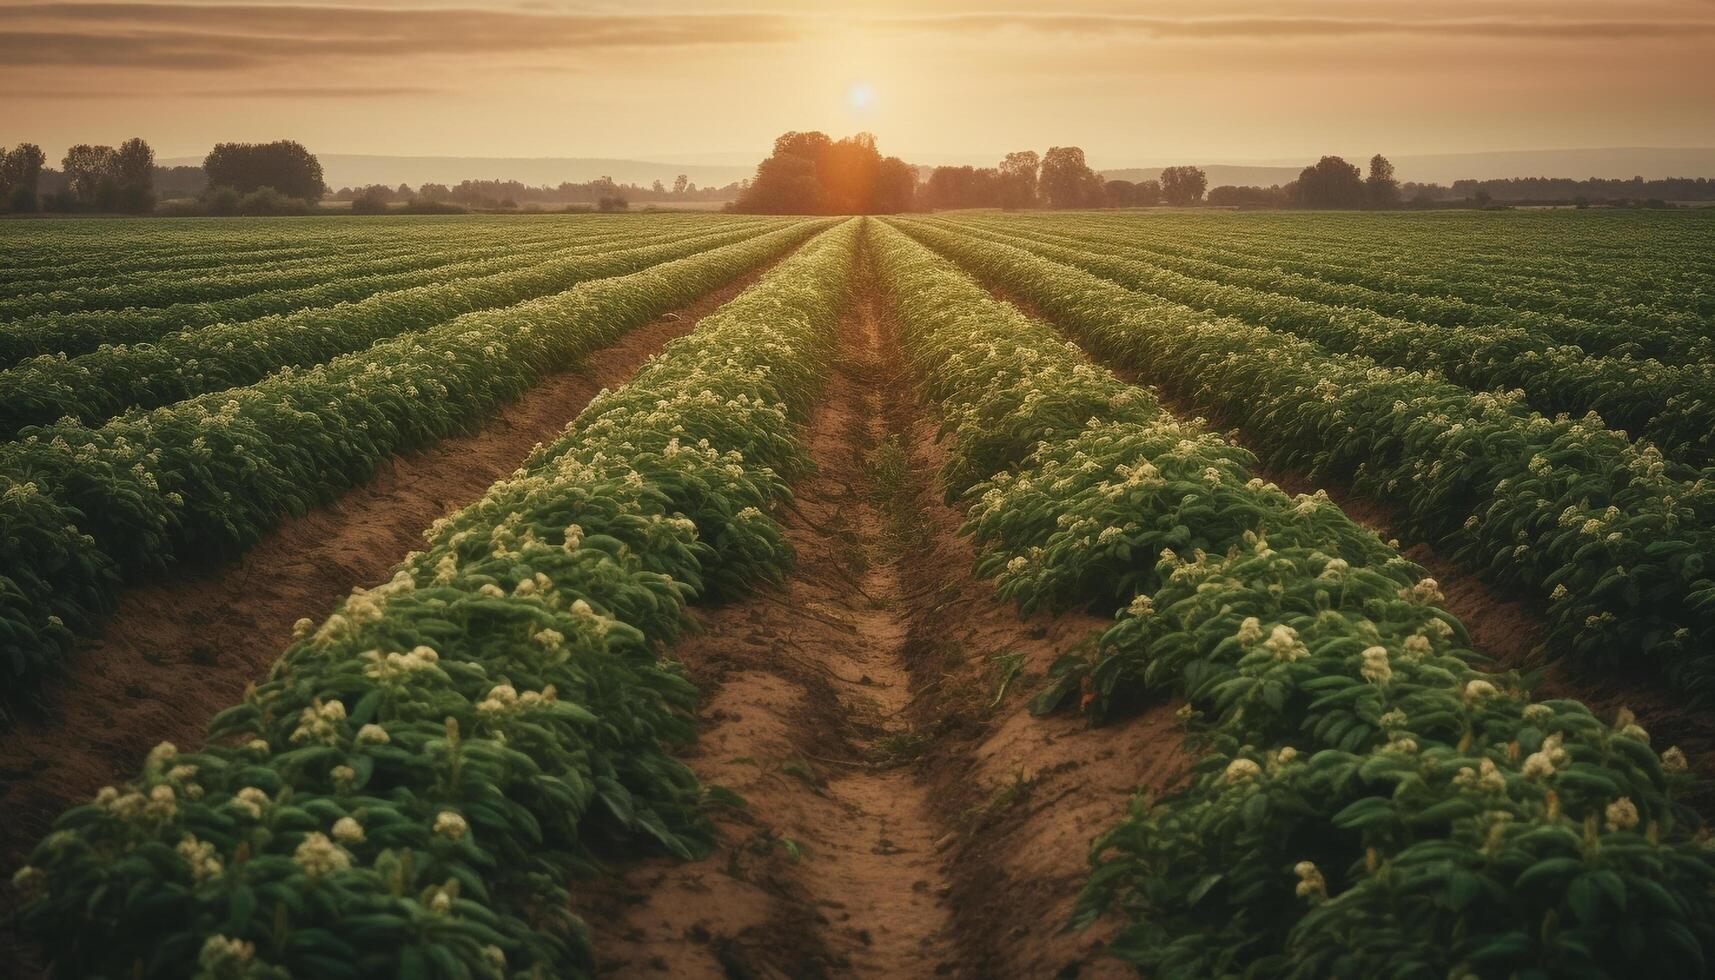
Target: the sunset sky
(1212, 80)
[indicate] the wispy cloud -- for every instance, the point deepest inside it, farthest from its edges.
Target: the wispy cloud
(224, 36)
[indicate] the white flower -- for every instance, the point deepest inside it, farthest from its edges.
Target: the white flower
(1479, 689)
(343, 776)
(1376, 669)
(30, 880)
(1018, 564)
(1674, 761)
(373, 735)
(1250, 630)
(1425, 592)
(1538, 765)
(347, 830)
(1559, 593)
(1393, 719)
(1141, 605)
(318, 856)
(1310, 882)
(250, 801)
(1621, 814)
(492, 591)
(221, 956)
(163, 803)
(1283, 642)
(160, 755)
(258, 745)
(1242, 770)
(200, 856)
(450, 825)
(1536, 714)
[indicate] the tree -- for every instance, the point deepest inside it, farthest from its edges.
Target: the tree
(1183, 185)
(134, 177)
(284, 165)
(658, 188)
(1066, 180)
(1330, 183)
(1119, 193)
(679, 184)
(1147, 193)
(1018, 179)
(89, 175)
(371, 200)
(1381, 188)
(809, 173)
(20, 176)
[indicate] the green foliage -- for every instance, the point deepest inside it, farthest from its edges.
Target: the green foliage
(205, 477)
(410, 790)
(1614, 537)
(1368, 802)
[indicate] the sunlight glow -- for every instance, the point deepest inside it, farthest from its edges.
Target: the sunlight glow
(860, 97)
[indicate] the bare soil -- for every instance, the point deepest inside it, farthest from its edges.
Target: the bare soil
(179, 650)
(906, 817)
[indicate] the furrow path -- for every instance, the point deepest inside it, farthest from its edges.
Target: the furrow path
(904, 815)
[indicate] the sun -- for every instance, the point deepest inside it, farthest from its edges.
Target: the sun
(860, 97)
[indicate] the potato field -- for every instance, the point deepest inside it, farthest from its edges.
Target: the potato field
(980, 594)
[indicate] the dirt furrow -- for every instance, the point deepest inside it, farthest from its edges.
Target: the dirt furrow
(906, 817)
(181, 649)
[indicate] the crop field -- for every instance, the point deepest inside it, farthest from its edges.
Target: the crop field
(977, 594)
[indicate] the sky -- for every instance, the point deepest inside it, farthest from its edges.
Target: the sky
(935, 80)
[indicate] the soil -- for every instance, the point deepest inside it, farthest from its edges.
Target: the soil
(906, 817)
(179, 650)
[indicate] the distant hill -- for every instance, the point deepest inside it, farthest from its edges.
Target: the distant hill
(1612, 163)
(356, 169)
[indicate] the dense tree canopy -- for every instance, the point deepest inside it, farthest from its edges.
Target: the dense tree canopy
(1183, 185)
(285, 165)
(1330, 183)
(810, 173)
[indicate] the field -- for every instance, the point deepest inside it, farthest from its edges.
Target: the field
(975, 594)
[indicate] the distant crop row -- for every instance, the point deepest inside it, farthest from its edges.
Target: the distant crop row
(423, 773)
(83, 509)
(96, 386)
(1614, 538)
(1671, 405)
(1366, 802)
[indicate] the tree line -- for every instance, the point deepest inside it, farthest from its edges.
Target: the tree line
(811, 173)
(603, 193)
(234, 178)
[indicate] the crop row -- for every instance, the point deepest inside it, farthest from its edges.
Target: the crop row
(413, 787)
(1668, 405)
(82, 509)
(428, 245)
(108, 270)
(1646, 268)
(74, 333)
(1620, 321)
(1366, 802)
(94, 387)
(1615, 539)
(76, 246)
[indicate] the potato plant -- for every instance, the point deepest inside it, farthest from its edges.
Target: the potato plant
(1367, 801)
(204, 478)
(425, 774)
(1611, 535)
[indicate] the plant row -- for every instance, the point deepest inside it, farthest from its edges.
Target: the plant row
(1614, 538)
(1365, 801)
(80, 246)
(1634, 267)
(393, 254)
(415, 786)
(96, 386)
(75, 333)
(1672, 406)
(82, 509)
(1620, 324)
